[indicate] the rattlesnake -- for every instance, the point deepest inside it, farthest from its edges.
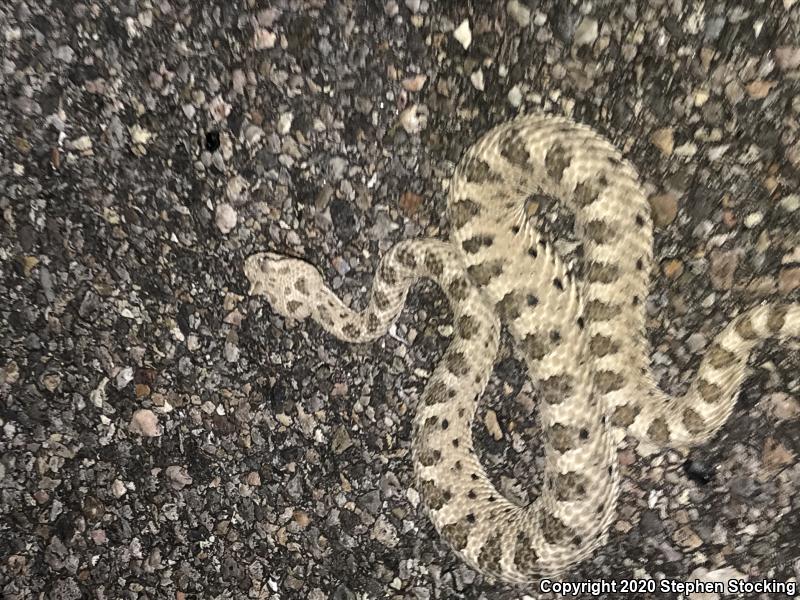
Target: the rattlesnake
(583, 341)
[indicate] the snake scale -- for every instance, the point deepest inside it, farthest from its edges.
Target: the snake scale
(583, 341)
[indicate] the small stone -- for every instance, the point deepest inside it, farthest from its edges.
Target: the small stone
(687, 538)
(413, 6)
(415, 83)
(664, 140)
(141, 390)
(717, 152)
(586, 32)
(413, 119)
(28, 263)
(99, 537)
(701, 96)
(253, 134)
(263, 39)
(463, 34)
(124, 377)
(10, 373)
(231, 352)
(145, 423)
(178, 477)
(236, 185)
(664, 208)
(410, 203)
(775, 455)
(760, 88)
(253, 479)
(672, 268)
(720, 576)
(788, 57)
(492, 425)
(753, 219)
(64, 54)
(285, 123)
(783, 407)
(789, 280)
(477, 80)
(515, 96)
(722, 267)
(238, 80)
(225, 218)
(519, 12)
(139, 135)
(118, 488)
(301, 518)
(384, 532)
(696, 342)
(790, 203)
(734, 92)
(370, 502)
(51, 381)
(338, 167)
(714, 26)
(729, 218)
(82, 144)
(391, 8)
(341, 441)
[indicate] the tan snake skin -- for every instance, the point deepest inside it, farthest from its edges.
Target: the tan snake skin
(583, 341)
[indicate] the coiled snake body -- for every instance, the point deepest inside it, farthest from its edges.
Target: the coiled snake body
(583, 341)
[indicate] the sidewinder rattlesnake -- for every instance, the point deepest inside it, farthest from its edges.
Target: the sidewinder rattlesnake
(583, 342)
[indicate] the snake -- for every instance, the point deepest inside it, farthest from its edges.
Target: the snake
(581, 336)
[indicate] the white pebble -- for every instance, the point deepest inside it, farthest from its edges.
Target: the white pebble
(253, 134)
(519, 12)
(515, 96)
(82, 144)
(263, 39)
(477, 79)
(236, 185)
(124, 377)
(413, 119)
(463, 34)
(118, 489)
(790, 203)
(285, 123)
(753, 219)
(586, 32)
(178, 476)
(145, 422)
(226, 218)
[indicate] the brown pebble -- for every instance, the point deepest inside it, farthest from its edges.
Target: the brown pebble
(410, 203)
(664, 207)
(760, 88)
(789, 280)
(672, 268)
(723, 266)
(664, 140)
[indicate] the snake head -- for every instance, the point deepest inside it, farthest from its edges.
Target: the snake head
(288, 283)
(262, 271)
